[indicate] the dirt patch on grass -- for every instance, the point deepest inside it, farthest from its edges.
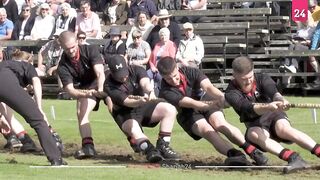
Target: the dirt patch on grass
(118, 155)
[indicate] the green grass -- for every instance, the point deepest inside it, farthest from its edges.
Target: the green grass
(112, 144)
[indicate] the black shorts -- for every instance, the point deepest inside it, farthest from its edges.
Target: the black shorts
(267, 122)
(141, 114)
(187, 117)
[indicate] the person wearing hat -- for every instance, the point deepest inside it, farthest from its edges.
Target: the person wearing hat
(43, 24)
(113, 45)
(191, 49)
(147, 6)
(143, 110)
(164, 22)
(88, 21)
(82, 66)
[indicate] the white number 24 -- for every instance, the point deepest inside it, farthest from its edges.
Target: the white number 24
(298, 14)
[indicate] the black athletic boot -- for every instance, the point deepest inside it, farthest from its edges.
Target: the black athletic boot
(259, 158)
(236, 158)
(58, 162)
(28, 144)
(153, 155)
(295, 163)
(166, 151)
(12, 142)
(87, 151)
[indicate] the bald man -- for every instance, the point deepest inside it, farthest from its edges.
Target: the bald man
(82, 66)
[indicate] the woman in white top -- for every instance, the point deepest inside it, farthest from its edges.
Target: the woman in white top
(142, 24)
(43, 24)
(65, 21)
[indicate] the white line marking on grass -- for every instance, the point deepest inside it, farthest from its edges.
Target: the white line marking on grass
(239, 167)
(94, 167)
(91, 120)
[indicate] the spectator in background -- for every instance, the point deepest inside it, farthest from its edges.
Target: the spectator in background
(65, 21)
(48, 59)
(115, 12)
(165, 47)
(22, 28)
(165, 22)
(193, 5)
(114, 45)
(20, 3)
(11, 8)
(141, 24)
(81, 36)
(315, 10)
(147, 6)
(74, 4)
(6, 26)
(34, 7)
(191, 49)
(138, 52)
(88, 21)
(4, 55)
(43, 24)
(99, 5)
(301, 41)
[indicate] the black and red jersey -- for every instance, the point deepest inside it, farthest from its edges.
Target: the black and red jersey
(262, 92)
(118, 91)
(189, 86)
(83, 74)
(24, 71)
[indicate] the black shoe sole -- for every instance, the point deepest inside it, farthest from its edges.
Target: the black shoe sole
(155, 159)
(237, 161)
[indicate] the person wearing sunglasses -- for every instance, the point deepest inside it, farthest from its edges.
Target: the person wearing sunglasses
(23, 32)
(138, 52)
(81, 36)
(44, 23)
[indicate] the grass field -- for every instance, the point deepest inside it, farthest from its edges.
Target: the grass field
(114, 150)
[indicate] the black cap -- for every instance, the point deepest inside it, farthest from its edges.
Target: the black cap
(118, 67)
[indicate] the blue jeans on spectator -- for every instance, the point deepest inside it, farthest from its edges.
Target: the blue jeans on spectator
(315, 38)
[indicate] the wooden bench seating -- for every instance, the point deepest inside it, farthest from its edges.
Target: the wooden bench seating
(222, 12)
